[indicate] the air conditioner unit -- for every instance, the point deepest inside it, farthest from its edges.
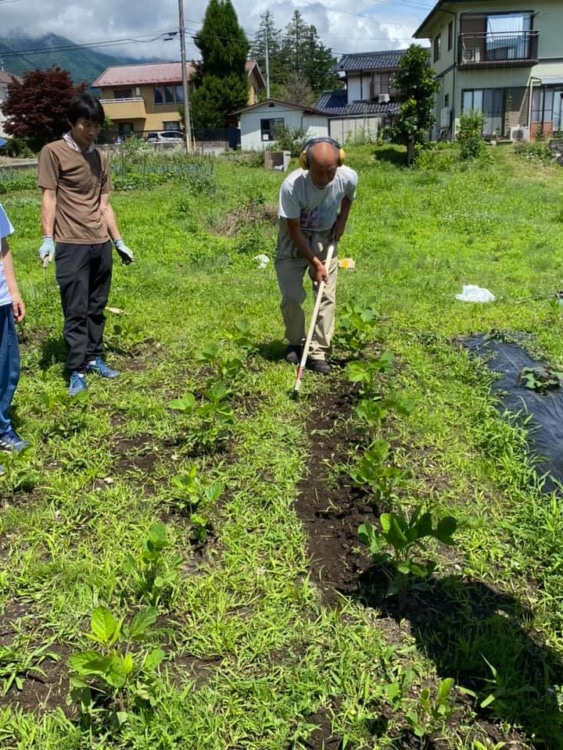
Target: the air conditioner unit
(471, 54)
(384, 99)
(519, 133)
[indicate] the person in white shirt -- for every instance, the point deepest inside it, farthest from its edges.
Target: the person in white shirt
(314, 205)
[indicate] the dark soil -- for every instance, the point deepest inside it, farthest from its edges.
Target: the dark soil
(331, 510)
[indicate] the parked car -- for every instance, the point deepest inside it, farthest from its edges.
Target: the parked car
(166, 136)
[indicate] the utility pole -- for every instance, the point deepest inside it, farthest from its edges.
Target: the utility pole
(267, 65)
(187, 123)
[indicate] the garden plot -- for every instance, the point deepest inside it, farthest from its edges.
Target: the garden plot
(184, 543)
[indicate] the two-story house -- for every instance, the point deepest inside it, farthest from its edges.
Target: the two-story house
(369, 100)
(503, 58)
(142, 98)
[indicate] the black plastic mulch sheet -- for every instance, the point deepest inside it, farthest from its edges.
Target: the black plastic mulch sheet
(545, 425)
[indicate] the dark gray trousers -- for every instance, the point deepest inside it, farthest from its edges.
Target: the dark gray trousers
(84, 278)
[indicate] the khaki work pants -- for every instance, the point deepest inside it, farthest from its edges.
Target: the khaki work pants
(291, 268)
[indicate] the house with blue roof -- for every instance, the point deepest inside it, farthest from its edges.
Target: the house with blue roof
(369, 101)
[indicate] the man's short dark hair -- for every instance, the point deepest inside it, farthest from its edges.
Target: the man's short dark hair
(86, 106)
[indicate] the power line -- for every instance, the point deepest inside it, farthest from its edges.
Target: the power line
(85, 45)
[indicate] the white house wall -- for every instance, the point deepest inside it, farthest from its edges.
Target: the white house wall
(315, 126)
(294, 119)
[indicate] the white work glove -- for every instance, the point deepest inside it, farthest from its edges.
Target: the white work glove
(123, 251)
(47, 250)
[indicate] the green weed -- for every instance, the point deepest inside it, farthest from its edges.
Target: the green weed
(406, 536)
(113, 681)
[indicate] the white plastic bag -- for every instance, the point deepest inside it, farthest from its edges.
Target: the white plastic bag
(262, 260)
(472, 293)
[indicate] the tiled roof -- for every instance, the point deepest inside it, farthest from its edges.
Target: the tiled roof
(364, 61)
(136, 75)
(334, 104)
(270, 102)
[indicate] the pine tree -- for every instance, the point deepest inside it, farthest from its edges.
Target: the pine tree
(305, 55)
(221, 82)
(36, 107)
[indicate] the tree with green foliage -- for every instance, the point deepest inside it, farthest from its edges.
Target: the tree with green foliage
(297, 89)
(298, 61)
(35, 107)
(416, 85)
(304, 54)
(221, 82)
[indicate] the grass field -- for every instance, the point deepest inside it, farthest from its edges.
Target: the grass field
(181, 545)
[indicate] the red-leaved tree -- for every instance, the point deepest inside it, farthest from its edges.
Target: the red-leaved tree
(35, 107)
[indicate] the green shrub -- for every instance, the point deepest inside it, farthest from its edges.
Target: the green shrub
(470, 134)
(537, 151)
(289, 140)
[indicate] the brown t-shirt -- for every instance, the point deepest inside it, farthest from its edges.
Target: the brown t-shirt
(79, 180)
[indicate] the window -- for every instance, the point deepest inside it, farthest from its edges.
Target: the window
(179, 94)
(450, 35)
(380, 84)
(123, 94)
(542, 105)
(472, 100)
(268, 127)
(506, 36)
(437, 47)
(171, 125)
(446, 100)
(167, 95)
(493, 103)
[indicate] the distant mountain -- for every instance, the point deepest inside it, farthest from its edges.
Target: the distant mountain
(21, 53)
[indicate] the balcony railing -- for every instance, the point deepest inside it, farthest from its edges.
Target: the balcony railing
(517, 47)
(122, 101)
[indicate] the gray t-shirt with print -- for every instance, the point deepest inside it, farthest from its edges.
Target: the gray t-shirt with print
(316, 208)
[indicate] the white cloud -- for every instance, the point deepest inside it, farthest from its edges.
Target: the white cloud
(366, 26)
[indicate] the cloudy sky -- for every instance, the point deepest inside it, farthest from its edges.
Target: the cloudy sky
(137, 28)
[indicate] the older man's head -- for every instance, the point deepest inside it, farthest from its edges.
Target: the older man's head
(324, 158)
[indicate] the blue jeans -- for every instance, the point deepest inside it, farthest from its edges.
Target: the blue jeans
(9, 364)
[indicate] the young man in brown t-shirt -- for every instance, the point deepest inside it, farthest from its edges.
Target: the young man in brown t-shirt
(78, 228)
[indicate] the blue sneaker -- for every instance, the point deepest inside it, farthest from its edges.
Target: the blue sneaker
(101, 369)
(77, 383)
(11, 441)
